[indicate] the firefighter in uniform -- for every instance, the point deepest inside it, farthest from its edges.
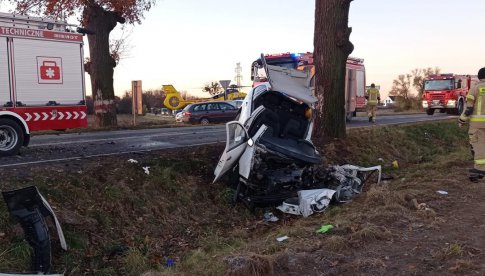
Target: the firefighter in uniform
(373, 97)
(475, 113)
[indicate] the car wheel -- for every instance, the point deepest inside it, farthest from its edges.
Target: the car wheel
(11, 137)
(430, 111)
(204, 121)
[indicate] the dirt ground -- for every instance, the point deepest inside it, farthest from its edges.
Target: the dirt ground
(120, 221)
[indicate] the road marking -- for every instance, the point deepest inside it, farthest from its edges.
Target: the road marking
(120, 138)
(103, 155)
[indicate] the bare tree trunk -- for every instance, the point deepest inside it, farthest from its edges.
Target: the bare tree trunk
(101, 64)
(332, 48)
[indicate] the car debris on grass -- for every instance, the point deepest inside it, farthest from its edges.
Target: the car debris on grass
(31, 209)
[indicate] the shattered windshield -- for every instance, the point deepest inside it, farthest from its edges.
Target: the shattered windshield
(438, 85)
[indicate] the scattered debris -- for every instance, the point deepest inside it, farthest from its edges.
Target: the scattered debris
(395, 164)
(31, 209)
(380, 160)
(133, 161)
(441, 192)
(283, 238)
(386, 177)
(268, 216)
(324, 229)
(147, 170)
(170, 263)
(308, 202)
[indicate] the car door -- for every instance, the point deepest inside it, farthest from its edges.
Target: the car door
(228, 112)
(236, 142)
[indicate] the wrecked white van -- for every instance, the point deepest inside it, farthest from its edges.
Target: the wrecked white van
(269, 155)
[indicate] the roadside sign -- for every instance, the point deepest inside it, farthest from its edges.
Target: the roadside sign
(225, 85)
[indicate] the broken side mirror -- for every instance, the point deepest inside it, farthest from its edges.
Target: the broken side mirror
(250, 142)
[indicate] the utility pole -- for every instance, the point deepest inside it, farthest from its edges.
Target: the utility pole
(238, 77)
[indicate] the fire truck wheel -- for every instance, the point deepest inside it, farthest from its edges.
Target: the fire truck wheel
(204, 121)
(11, 137)
(461, 107)
(430, 111)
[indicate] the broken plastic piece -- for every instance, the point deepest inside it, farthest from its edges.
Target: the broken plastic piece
(30, 208)
(324, 229)
(283, 238)
(308, 202)
(268, 216)
(147, 170)
(441, 192)
(170, 263)
(133, 161)
(395, 164)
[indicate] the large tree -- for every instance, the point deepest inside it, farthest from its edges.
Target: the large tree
(331, 50)
(99, 17)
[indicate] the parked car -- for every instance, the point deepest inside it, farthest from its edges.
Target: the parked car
(209, 112)
(237, 103)
(178, 117)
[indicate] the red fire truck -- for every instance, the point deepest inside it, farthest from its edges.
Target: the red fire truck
(354, 80)
(41, 79)
(446, 92)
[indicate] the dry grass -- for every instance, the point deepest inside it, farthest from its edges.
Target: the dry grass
(176, 212)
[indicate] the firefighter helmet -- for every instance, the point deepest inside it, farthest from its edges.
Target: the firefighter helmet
(481, 74)
(373, 85)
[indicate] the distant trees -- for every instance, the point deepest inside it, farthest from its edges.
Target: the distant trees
(151, 99)
(405, 85)
(213, 88)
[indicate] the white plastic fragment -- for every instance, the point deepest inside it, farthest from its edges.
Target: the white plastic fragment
(283, 238)
(147, 170)
(362, 169)
(309, 202)
(133, 161)
(441, 192)
(268, 216)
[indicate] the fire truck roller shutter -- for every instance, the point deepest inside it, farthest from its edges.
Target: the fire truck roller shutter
(48, 71)
(4, 74)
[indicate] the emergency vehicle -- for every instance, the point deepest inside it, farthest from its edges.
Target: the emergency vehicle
(354, 79)
(41, 79)
(446, 93)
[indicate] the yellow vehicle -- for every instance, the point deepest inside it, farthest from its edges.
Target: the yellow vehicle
(174, 100)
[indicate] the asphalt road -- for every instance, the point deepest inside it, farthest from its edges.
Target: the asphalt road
(73, 146)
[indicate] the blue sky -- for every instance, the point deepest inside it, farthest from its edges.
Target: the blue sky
(190, 42)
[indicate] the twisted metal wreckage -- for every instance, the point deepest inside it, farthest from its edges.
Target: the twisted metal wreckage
(30, 209)
(269, 156)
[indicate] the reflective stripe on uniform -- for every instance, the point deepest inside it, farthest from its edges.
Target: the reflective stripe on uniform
(470, 97)
(479, 105)
(477, 118)
(481, 90)
(480, 162)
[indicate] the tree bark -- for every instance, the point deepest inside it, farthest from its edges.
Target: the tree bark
(101, 64)
(332, 48)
